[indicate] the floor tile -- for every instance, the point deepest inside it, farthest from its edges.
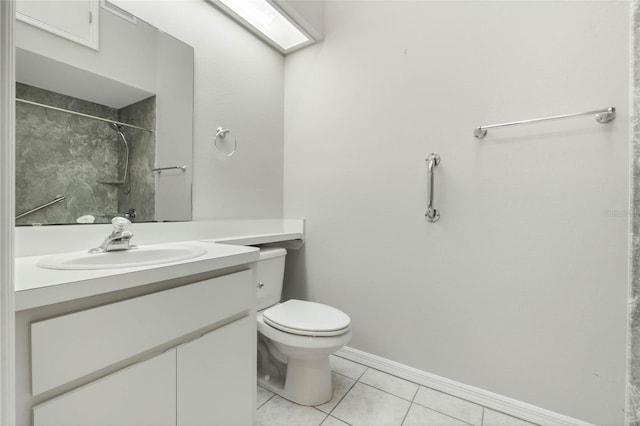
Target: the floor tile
(347, 368)
(494, 418)
(388, 383)
(449, 405)
(281, 412)
(368, 406)
(341, 386)
(420, 416)
(263, 396)
(332, 421)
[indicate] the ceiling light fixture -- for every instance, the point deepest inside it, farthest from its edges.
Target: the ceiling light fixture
(268, 21)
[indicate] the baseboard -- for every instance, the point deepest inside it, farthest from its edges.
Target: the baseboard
(491, 400)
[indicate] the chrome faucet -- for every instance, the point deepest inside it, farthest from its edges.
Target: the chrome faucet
(119, 239)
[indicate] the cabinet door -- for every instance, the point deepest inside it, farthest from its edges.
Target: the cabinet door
(72, 346)
(217, 377)
(75, 20)
(143, 394)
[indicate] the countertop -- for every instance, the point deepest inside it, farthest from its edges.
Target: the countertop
(36, 286)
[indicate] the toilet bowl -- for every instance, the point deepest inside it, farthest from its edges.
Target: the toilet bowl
(295, 338)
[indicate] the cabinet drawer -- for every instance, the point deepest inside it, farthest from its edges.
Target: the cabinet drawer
(71, 346)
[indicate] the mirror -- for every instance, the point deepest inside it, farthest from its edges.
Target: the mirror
(104, 116)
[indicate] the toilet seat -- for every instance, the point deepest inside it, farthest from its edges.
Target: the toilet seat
(307, 318)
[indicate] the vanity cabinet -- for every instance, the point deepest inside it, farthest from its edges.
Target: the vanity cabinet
(215, 387)
(143, 394)
(180, 356)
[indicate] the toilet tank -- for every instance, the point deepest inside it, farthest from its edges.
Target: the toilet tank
(270, 275)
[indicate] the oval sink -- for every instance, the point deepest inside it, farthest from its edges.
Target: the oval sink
(141, 256)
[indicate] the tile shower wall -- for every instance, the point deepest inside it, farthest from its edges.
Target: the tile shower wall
(63, 154)
(139, 192)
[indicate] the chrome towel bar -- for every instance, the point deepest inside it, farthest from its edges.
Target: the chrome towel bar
(58, 199)
(432, 215)
(602, 116)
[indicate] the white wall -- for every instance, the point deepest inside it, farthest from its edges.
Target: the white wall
(127, 56)
(238, 85)
(521, 287)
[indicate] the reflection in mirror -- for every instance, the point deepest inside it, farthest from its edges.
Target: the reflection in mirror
(89, 127)
(101, 168)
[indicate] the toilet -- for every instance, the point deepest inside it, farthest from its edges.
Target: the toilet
(295, 338)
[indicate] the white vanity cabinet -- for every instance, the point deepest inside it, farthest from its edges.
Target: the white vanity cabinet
(181, 356)
(143, 394)
(214, 384)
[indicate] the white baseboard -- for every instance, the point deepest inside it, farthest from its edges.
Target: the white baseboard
(491, 400)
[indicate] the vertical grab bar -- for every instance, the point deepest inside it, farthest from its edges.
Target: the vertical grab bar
(432, 215)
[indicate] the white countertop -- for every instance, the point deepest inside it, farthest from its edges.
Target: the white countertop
(36, 286)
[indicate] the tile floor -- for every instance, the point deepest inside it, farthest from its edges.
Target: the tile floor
(368, 397)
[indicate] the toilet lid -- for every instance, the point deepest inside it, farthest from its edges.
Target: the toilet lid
(307, 318)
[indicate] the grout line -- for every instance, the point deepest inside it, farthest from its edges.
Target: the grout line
(406, 414)
(267, 400)
(343, 396)
(412, 403)
(389, 393)
(363, 373)
(448, 415)
(344, 375)
(415, 394)
(325, 417)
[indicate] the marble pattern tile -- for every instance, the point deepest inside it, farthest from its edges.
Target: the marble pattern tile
(368, 406)
(449, 405)
(388, 383)
(63, 154)
(351, 369)
(262, 396)
(58, 153)
(139, 193)
(494, 418)
(421, 416)
(362, 404)
(281, 412)
(341, 385)
(633, 378)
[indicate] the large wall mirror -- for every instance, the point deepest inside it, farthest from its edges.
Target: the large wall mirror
(104, 116)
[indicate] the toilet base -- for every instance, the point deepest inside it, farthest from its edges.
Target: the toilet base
(307, 381)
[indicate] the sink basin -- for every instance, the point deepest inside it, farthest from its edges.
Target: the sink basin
(141, 256)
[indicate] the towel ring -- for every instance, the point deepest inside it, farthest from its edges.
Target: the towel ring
(221, 134)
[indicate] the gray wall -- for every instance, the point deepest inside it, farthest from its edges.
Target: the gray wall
(63, 154)
(139, 192)
(633, 414)
(521, 288)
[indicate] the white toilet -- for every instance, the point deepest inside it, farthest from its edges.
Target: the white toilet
(295, 338)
